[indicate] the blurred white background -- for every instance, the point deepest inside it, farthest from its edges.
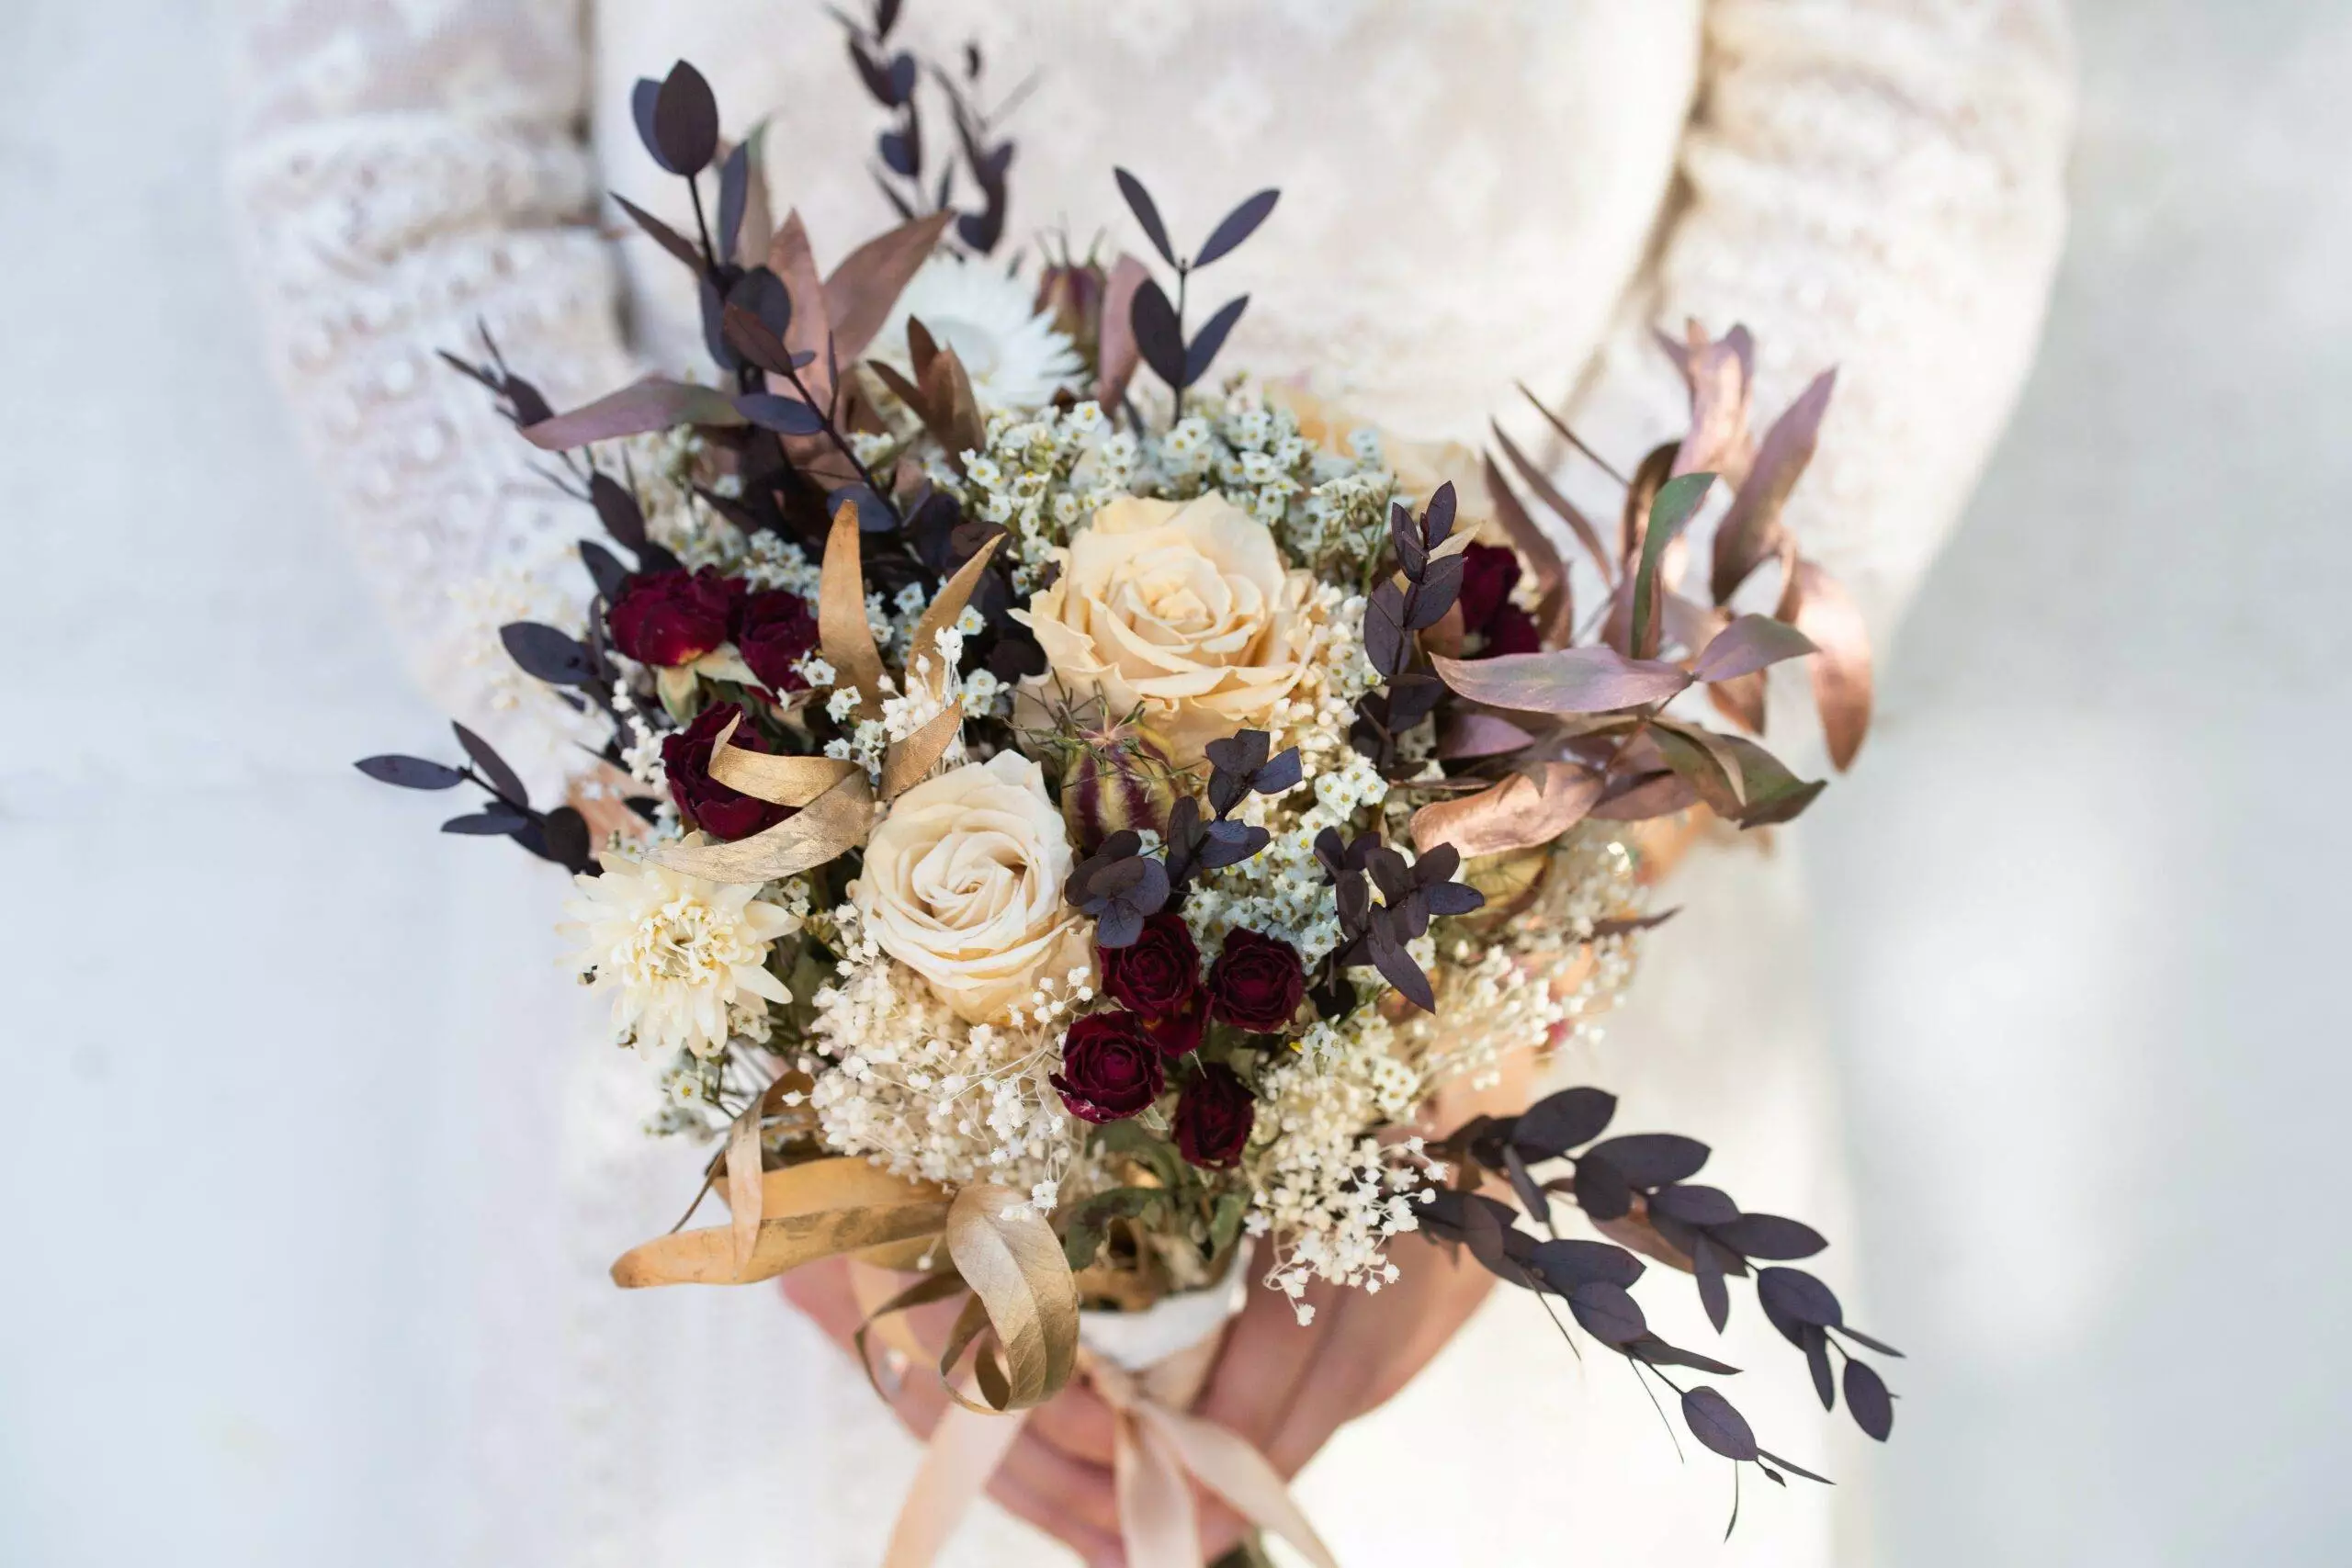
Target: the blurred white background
(2080, 905)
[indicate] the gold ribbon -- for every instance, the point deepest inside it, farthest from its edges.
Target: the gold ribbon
(1157, 1452)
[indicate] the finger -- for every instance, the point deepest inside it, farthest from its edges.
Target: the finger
(1086, 1493)
(1100, 1548)
(1265, 1357)
(1222, 1529)
(1077, 1422)
(1334, 1393)
(821, 1292)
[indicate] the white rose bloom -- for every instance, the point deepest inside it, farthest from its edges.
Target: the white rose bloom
(678, 952)
(1184, 607)
(963, 885)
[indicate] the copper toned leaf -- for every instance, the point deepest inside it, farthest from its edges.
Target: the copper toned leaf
(1115, 357)
(1557, 612)
(867, 283)
(1549, 494)
(635, 410)
(1677, 502)
(1819, 607)
(1513, 814)
(1750, 530)
(1568, 680)
(1750, 644)
(1720, 376)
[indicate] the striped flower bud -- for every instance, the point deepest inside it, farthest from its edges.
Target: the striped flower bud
(1119, 778)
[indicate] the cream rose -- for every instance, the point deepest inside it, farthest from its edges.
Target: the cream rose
(1185, 608)
(963, 885)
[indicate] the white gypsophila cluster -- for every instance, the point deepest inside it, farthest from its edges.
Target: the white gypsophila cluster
(1327, 1195)
(925, 1094)
(1042, 475)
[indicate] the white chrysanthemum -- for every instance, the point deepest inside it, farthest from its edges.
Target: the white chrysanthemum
(681, 956)
(1012, 353)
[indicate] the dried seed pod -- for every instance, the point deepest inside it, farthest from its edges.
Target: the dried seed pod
(1121, 777)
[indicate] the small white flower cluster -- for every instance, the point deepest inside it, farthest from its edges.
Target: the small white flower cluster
(925, 1094)
(1042, 474)
(1327, 1195)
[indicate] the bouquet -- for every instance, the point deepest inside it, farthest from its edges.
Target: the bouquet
(1068, 809)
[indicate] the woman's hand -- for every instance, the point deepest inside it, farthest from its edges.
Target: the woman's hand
(1069, 1497)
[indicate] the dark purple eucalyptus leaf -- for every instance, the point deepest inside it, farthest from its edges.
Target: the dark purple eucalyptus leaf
(492, 820)
(1771, 1238)
(1695, 1206)
(1159, 337)
(1237, 226)
(899, 153)
(1566, 681)
(1859, 1338)
(1396, 965)
(1561, 1121)
(1601, 1189)
(546, 654)
(1658, 1353)
(1650, 1159)
(1566, 1263)
(1707, 1269)
(1606, 1313)
(623, 518)
(1714, 1422)
(501, 778)
(1868, 1401)
(1531, 1198)
(686, 122)
(410, 773)
(1146, 213)
(1794, 1469)
(734, 197)
(786, 416)
(1816, 1359)
(1203, 350)
(611, 576)
(564, 834)
(668, 239)
(1799, 1296)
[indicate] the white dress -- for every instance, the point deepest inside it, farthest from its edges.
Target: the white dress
(1473, 193)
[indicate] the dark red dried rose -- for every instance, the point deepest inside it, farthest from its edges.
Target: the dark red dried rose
(773, 631)
(1214, 1116)
(1110, 1068)
(1489, 574)
(1511, 631)
(1257, 981)
(673, 617)
(1160, 974)
(721, 812)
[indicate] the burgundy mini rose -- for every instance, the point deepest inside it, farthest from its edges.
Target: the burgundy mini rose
(673, 617)
(773, 631)
(1110, 1068)
(1257, 981)
(1214, 1116)
(1159, 975)
(1511, 631)
(721, 812)
(1489, 572)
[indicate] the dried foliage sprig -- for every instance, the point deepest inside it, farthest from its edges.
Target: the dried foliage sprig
(1158, 321)
(1636, 1189)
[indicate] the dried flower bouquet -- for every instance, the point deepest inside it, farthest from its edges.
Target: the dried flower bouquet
(1084, 807)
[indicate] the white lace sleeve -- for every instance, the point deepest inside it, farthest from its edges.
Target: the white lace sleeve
(1874, 184)
(406, 174)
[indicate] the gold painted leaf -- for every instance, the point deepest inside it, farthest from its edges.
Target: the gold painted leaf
(1513, 814)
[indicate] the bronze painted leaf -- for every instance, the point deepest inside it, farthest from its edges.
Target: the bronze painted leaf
(1750, 530)
(635, 410)
(1819, 607)
(1568, 680)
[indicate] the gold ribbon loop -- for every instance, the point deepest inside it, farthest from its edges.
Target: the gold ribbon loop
(1021, 1282)
(832, 823)
(780, 781)
(808, 1212)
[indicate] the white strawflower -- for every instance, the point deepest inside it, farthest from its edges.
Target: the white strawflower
(1012, 353)
(678, 954)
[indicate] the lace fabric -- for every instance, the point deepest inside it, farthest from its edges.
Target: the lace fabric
(1473, 193)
